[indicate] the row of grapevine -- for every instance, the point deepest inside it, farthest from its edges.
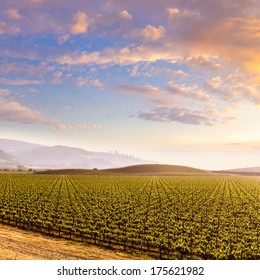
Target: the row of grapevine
(180, 217)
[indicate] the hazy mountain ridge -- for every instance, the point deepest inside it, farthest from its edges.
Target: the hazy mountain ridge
(245, 169)
(9, 161)
(17, 152)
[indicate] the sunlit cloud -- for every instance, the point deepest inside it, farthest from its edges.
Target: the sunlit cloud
(19, 82)
(68, 127)
(13, 111)
(173, 12)
(13, 14)
(80, 82)
(150, 33)
(184, 91)
(177, 74)
(80, 24)
(125, 15)
(180, 115)
(122, 56)
(203, 60)
(214, 83)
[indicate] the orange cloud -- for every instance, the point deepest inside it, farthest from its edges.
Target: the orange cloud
(234, 39)
(150, 33)
(19, 82)
(125, 15)
(15, 112)
(80, 23)
(13, 14)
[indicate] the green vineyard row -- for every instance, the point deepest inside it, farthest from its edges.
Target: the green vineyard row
(180, 217)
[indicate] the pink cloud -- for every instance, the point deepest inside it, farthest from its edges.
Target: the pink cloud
(13, 14)
(19, 82)
(68, 127)
(150, 32)
(15, 112)
(80, 24)
(125, 15)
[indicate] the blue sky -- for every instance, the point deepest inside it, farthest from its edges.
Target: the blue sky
(173, 81)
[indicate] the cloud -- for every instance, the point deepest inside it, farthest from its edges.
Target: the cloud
(176, 74)
(80, 82)
(214, 83)
(96, 83)
(7, 68)
(203, 60)
(63, 38)
(2, 28)
(57, 77)
(80, 23)
(13, 14)
(249, 92)
(184, 91)
(150, 33)
(19, 82)
(15, 112)
(177, 89)
(173, 12)
(146, 89)
(181, 115)
(67, 127)
(228, 30)
(235, 87)
(4, 91)
(124, 15)
(124, 56)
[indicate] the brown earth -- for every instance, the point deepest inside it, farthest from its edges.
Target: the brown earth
(16, 244)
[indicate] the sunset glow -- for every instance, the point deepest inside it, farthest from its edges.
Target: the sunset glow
(171, 81)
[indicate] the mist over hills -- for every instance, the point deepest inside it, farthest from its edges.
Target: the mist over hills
(8, 161)
(245, 169)
(15, 152)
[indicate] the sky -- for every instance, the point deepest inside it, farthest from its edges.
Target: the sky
(172, 81)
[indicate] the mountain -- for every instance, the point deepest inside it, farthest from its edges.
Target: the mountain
(246, 169)
(9, 161)
(15, 147)
(56, 157)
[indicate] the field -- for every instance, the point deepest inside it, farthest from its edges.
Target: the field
(164, 217)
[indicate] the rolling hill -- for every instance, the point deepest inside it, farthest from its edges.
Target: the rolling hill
(141, 169)
(155, 168)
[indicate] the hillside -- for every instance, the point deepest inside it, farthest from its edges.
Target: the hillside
(141, 169)
(155, 169)
(8, 161)
(57, 157)
(245, 169)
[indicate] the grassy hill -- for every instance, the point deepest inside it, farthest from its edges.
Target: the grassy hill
(140, 169)
(155, 168)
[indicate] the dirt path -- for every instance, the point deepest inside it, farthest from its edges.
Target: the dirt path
(24, 245)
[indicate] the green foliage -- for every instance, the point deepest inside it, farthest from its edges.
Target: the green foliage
(208, 217)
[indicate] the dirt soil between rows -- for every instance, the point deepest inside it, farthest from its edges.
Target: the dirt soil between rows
(16, 244)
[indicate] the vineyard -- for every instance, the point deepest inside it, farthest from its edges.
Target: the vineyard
(179, 217)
